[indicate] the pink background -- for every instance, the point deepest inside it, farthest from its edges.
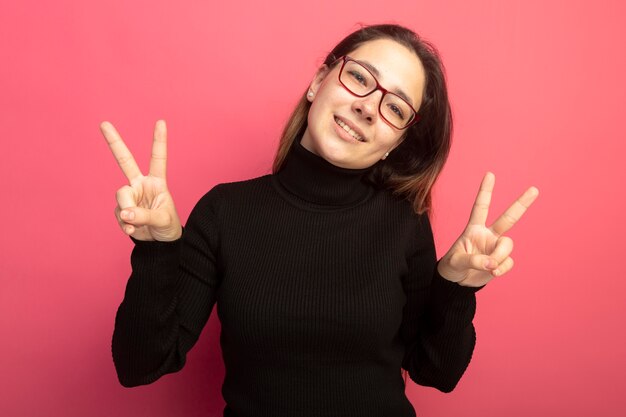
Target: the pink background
(538, 92)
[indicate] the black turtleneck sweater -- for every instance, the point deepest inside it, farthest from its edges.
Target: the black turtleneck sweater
(325, 288)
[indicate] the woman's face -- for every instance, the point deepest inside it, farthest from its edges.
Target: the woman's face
(332, 106)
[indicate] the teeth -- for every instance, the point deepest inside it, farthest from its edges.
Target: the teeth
(350, 131)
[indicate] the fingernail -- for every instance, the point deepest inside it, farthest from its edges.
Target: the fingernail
(128, 215)
(490, 263)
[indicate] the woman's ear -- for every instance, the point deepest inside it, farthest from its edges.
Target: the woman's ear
(317, 82)
(395, 145)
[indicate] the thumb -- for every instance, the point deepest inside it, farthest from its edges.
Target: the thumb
(473, 261)
(139, 216)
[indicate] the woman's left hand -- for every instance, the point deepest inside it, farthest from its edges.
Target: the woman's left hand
(482, 253)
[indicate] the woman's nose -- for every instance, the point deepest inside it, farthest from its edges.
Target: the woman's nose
(367, 107)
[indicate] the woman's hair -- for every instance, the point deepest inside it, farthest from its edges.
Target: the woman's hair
(411, 168)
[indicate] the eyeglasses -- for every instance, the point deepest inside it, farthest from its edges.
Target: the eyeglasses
(360, 82)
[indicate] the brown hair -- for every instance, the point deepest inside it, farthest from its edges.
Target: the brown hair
(413, 167)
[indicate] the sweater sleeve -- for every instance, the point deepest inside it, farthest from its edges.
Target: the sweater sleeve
(168, 299)
(437, 329)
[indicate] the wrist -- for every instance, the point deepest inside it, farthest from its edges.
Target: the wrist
(460, 287)
(443, 271)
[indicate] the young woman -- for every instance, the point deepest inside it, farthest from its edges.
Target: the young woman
(324, 272)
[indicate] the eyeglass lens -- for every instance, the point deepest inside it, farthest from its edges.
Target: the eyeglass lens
(359, 81)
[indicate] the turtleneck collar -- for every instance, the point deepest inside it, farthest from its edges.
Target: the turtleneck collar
(313, 179)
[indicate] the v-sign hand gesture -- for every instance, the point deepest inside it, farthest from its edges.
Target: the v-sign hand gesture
(482, 252)
(145, 209)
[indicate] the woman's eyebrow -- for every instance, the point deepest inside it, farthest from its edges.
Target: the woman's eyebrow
(397, 91)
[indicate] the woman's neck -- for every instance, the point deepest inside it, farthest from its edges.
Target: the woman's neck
(315, 180)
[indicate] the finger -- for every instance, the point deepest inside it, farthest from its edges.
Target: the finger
(126, 197)
(464, 261)
(503, 268)
(126, 228)
(514, 212)
(504, 247)
(139, 216)
(159, 150)
(121, 153)
(483, 199)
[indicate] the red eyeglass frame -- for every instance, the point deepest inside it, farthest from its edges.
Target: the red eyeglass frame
(346, 58)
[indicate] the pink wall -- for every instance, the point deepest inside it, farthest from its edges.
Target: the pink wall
(538, 92)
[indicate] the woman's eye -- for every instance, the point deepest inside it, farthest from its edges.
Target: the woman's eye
(397, 111)
(357, 76)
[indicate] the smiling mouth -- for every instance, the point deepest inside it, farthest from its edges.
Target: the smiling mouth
(350, 131)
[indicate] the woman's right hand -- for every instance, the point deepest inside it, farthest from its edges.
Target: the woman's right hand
(145, 209)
